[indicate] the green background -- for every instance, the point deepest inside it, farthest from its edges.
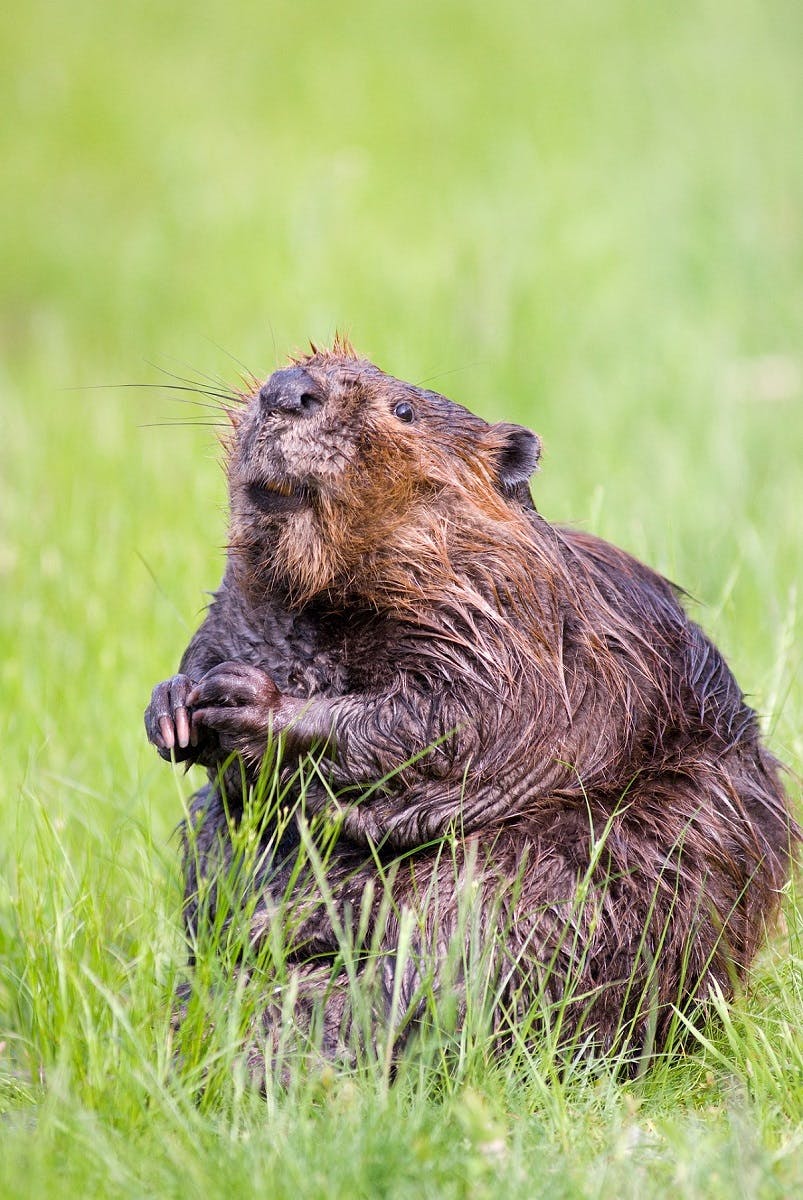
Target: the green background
(587, 217)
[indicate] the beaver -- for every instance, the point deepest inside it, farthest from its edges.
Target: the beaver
(453, 669)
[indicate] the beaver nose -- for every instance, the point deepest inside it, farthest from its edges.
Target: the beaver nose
(291, 391)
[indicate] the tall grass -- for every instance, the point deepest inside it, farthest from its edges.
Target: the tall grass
(583, 217)
(144, 1075)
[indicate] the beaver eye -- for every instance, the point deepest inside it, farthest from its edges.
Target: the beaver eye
(404, 411)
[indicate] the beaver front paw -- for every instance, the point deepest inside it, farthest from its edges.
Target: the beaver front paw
(237, 702)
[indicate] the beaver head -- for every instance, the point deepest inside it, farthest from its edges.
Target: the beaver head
(335, 467)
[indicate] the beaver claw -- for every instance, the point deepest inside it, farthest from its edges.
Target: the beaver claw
(167, 719)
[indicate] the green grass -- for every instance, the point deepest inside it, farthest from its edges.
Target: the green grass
(586, 217)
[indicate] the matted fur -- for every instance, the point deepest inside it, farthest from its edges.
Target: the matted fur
(393, 600)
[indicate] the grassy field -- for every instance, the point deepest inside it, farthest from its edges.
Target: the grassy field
(585, 217)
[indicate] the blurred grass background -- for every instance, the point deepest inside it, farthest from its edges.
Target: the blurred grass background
(585, 217)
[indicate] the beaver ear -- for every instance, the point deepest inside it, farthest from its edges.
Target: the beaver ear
(517, 453)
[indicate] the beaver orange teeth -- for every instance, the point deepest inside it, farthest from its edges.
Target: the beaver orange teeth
(273, 485)
(276, 487)
(283, 489)
(274, 497)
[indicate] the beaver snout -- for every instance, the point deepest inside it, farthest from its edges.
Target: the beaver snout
(291, 392)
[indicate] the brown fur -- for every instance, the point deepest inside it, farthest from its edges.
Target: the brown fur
(393, 600)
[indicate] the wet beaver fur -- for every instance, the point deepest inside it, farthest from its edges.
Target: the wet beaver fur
(533, 696)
